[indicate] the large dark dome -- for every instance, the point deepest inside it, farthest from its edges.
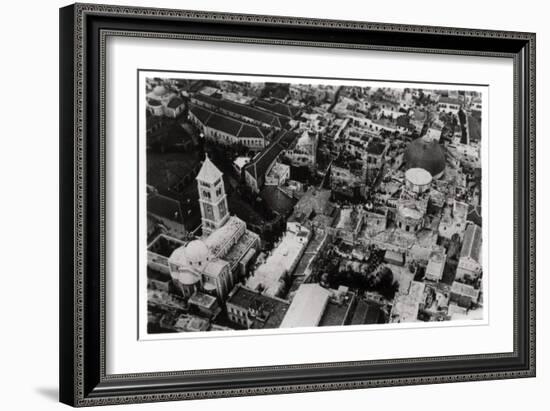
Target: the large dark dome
(425, 154)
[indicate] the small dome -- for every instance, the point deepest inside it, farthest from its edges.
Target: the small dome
(197, 253)
(159, 91)
(185, 277)
(418, 176)
(425, 154)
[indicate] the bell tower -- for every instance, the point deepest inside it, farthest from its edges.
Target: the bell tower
(212, 197)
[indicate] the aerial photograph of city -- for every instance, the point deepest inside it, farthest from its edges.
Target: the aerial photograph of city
(310, 204)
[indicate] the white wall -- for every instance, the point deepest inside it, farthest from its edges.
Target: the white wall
(29, 210)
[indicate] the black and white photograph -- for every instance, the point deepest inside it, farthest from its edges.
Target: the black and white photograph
(286, 200)
(296, 203)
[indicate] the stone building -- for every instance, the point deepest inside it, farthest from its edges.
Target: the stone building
(217, 261)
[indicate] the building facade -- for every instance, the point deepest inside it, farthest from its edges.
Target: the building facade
(226, 130)
(304, 152)
(252, 310)
(212, 197)
(449, 105)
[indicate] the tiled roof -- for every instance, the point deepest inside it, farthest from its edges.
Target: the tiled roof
(202, 114)
(213, 101)
(164, 207)
(217, 241)
(253, 113)
(272, 309)
(153, 102)
(227, 124)
(282, 109)
(244, 110)
(175, 102)
(260, 164)
(286, 138)
(248, 130)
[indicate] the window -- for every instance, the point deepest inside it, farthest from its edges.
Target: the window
(223, 210)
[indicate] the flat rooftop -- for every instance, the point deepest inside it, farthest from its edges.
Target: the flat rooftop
(349, 219)
(279, 263)
(308, 306)
(313, 200)
(202, 300)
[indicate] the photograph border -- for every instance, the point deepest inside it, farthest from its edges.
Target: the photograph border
(84, 29)
(280, 331)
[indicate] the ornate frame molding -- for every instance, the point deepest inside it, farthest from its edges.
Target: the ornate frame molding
(83, 378)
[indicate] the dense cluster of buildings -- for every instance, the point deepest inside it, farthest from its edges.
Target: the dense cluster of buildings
(376, 192)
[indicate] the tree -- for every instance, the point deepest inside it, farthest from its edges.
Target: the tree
(385, 284)
(454, 247)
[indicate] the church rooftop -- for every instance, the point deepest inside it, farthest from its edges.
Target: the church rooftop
(218, 240)
(209, 173)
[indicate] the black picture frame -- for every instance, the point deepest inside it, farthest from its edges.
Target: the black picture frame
(83, 29)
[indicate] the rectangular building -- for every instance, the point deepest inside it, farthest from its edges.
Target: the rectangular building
(251, 310)
(307, 307)
(469, 264)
